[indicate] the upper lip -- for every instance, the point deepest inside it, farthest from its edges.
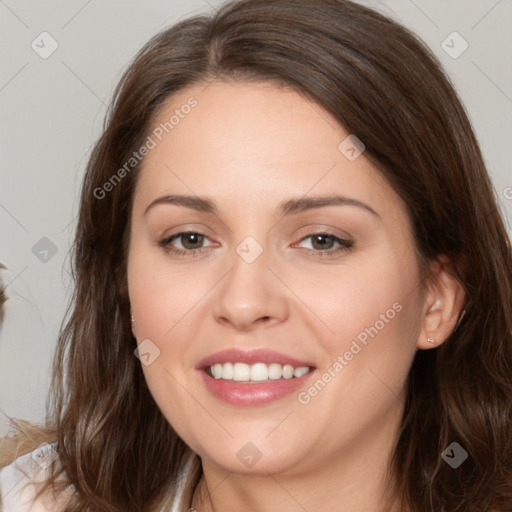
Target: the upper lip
(260, 355)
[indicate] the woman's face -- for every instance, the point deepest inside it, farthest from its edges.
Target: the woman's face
(299, 255)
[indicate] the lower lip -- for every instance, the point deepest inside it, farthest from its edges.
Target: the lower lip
(252, 394)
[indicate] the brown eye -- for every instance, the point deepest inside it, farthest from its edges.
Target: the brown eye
(191, 240)
(326, 244)
(188, 242)
(322, 242)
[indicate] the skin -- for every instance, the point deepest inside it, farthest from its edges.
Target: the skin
(248, 147)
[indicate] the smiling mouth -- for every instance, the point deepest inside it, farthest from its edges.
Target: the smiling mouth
(258, 372)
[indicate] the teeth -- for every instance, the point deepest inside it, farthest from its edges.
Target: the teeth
(258, 372)
(275, 371)
(287, 371)
(299, 372)
(226, 370)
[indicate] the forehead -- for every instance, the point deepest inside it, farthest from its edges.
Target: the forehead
(255, 142)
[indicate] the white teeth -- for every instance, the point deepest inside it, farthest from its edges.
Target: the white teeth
(258, 372)
(275, 371)
(227, 371)
(287, 371)
(299, 372)
(217, 371)
(241, 372)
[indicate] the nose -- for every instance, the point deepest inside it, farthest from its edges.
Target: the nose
(250, 295)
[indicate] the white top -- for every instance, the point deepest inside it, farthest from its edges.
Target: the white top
(17, 480)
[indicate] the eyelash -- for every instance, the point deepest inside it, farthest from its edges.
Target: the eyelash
(345, 245)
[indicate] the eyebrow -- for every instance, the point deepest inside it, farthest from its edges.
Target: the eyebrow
(288, 207)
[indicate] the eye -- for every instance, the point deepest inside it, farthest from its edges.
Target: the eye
(191, 243)
(325, 244)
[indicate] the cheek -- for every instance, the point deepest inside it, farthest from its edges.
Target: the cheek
(387, 338)
(162, 300)
(169, 303)
(161, 294)
(374, 317)
(366, 318)
(354, 300)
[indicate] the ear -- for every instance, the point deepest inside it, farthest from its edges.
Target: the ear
(444, 301)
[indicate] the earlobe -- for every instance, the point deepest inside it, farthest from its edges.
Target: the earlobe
(444, 303)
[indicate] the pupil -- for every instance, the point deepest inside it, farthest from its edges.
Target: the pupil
(319, 238)
(195, 239)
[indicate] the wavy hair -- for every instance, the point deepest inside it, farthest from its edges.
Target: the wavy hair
(384, 85)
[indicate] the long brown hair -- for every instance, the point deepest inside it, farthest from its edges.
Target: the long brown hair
(383, 85)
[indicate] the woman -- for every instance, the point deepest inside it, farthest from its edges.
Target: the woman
(293, 282)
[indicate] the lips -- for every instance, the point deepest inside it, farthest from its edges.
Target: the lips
(251, 394)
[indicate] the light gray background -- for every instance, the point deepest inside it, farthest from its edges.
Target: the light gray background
(52, 110)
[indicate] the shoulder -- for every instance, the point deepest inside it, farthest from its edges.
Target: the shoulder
(19, 481)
